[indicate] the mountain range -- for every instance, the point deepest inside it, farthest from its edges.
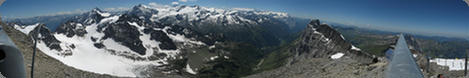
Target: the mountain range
(157, 38)
(194, 41)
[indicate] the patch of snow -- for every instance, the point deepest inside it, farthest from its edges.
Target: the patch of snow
(189, 69)
(134, 24)
(322, 36)
(341, 36)
(355, 48)
(111, 44)
(453, 64)
(246, 20)
(316, 32)
(141, 17)
(104, 14)
(415, 55)
(411, 47)
(180, 38)
(213, 58)
(150, 44)
(211, 47)
(327, 39)
(110, 19)
(337, 55)
(26, 29)
(226, 57)
(89, 21)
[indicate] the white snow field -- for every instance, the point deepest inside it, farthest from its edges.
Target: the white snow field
(337, 55)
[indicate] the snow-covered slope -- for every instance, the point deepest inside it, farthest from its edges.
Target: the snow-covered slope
(26, 29)
(95, 46)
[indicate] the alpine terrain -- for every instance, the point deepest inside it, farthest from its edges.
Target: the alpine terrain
(181, 41)
(163, 40)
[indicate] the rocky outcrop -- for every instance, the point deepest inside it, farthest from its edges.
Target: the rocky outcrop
(71, 29)
(126, 34)
(309, 56)
(94, 16)
(46, 36)
(321, 41)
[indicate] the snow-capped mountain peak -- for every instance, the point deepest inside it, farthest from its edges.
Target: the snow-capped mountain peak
(97, 11)
(182, 14)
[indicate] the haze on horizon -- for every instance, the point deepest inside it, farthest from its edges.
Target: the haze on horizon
(447, 18)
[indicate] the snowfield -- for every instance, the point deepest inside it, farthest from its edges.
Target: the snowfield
(337, 55)
(355, 48)
(89, 58)
(26, 29)
(189, 69)
(92, 59)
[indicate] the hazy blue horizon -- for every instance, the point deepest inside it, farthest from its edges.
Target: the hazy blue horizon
(431, 17)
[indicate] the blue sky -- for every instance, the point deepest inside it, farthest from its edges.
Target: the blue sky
(429, 17)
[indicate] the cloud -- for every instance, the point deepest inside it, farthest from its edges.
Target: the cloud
(244, 9)
(116, 9)
(156, 5)
(70, 12)
(182, 0)
(153, 4)
(175, 3)
(467, 1)
(76, 11)
(186, 1)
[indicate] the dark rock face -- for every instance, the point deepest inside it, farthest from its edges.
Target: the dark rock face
(336, 38)
(70, 29)
(98, 45)
(89, 17)
(332, 34)
(166, 42)
(126, 34)
(46, 37)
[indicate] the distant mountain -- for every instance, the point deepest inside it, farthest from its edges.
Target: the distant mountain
(273, 26)
(51, 21)
(377, 42)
